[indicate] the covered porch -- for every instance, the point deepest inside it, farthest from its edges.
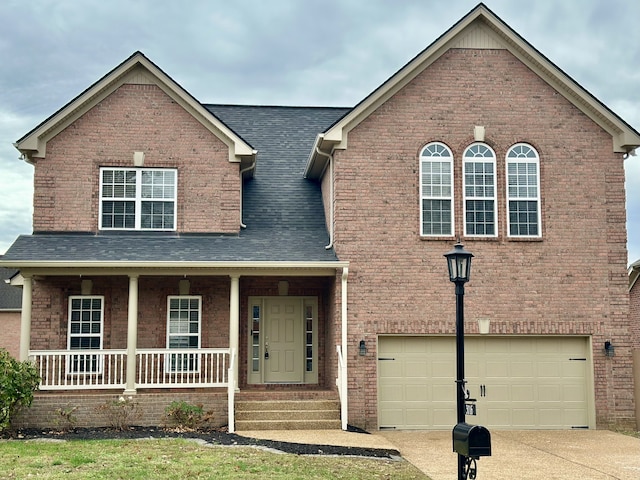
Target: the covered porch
(177, 329)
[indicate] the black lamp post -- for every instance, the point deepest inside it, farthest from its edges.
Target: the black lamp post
(459, 263)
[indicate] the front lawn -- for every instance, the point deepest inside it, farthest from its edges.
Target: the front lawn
(180, 459)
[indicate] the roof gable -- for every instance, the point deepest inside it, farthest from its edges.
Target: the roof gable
(480, 29)
(137, 69)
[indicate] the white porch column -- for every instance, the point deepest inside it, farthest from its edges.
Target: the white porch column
(132, 336)
(234, 323)
(25, 319)
(344, 401)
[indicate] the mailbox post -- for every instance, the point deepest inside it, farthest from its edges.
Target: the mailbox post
(459, 263)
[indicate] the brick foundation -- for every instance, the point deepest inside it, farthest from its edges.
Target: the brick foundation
(151, 408)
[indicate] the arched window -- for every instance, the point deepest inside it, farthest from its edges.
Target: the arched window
(523, 192)
(436, 190)
(479, 186)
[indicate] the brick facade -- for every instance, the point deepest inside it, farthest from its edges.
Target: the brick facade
(136, 118)
(570, 282)
(46, 409)
(10, 338)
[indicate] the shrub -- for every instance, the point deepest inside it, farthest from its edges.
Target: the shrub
(186, 416)
(64, 418)
(120, 412)
(19, 380)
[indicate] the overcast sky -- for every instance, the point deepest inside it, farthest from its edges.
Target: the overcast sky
(283, 52)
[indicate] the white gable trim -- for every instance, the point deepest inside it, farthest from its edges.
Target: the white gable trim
(481, 28)
(136, 69)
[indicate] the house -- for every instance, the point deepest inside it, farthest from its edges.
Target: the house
(238, 255)
(634, 320)
(10, 305)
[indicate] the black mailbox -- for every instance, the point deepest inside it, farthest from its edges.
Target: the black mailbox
(471, 440)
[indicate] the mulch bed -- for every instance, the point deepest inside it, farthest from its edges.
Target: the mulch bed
(213, 436)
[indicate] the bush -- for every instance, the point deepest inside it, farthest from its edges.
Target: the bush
(18, 380)
(186, 416)
(120, 412)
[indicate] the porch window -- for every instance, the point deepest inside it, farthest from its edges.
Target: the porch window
(183, 331)
(255, 338)
(85, 333)
(138, 199)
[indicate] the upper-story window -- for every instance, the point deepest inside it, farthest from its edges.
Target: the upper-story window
(523, 191)
(436, 190)
(479, 166)
(138, 198)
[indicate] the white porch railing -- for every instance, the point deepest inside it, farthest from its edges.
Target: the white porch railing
(231, 392)
(155, 368)
(80, 369)
(341, 383)
(175, 368)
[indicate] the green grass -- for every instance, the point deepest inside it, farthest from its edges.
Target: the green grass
(179, 459)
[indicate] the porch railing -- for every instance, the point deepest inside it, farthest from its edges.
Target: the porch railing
(341, 383)
(155, 368)
(80, 369)
(231, 392)
(205, 367)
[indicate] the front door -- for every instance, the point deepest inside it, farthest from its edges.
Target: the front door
(283, 340)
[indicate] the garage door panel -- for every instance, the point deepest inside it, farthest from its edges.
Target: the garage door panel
(529, 382)
(498, 369)
(440, 369)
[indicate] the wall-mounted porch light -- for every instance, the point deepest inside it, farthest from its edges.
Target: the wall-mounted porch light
(609, 349)
(362, 348)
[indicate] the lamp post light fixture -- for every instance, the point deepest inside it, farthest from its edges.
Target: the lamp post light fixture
(459, 263)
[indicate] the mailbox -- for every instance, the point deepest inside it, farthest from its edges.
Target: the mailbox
(471, 440)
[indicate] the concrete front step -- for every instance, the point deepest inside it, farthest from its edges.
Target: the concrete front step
(245, 425)
(287, 414)
(287, 405)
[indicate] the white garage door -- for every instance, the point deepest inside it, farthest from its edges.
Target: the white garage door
(519, 382)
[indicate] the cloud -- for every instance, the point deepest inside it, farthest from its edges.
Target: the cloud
(308, 52)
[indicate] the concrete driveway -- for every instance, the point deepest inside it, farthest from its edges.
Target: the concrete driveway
(539, 454)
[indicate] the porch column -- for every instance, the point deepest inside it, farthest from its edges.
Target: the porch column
(344, 400)
(234, 323)
(25, 319)
(132, 336)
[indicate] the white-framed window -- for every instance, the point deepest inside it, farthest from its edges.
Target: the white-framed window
(479, 186)
(436, 190)
(85, 333)
(523, 192)
(184, 313)
(138, 198)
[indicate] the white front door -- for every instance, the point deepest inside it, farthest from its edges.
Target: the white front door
(283, 340)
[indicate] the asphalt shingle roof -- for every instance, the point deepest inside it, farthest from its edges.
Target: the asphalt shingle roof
(10, 296)
(282, 210)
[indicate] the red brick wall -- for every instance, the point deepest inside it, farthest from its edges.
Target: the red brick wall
(10, 337)
(150, 408)
(50, 310)
(634, 314)
(572, 282)
(136, 118)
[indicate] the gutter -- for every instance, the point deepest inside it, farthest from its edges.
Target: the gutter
(250, 167)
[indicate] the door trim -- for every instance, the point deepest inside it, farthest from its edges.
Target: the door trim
(255, 361)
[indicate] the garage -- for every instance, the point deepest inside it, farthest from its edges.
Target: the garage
(518, 382)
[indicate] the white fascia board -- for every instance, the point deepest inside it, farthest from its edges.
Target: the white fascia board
(29, 267)
(34, 143)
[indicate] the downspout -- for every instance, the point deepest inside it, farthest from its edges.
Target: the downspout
(331, 207)
(250, 167)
